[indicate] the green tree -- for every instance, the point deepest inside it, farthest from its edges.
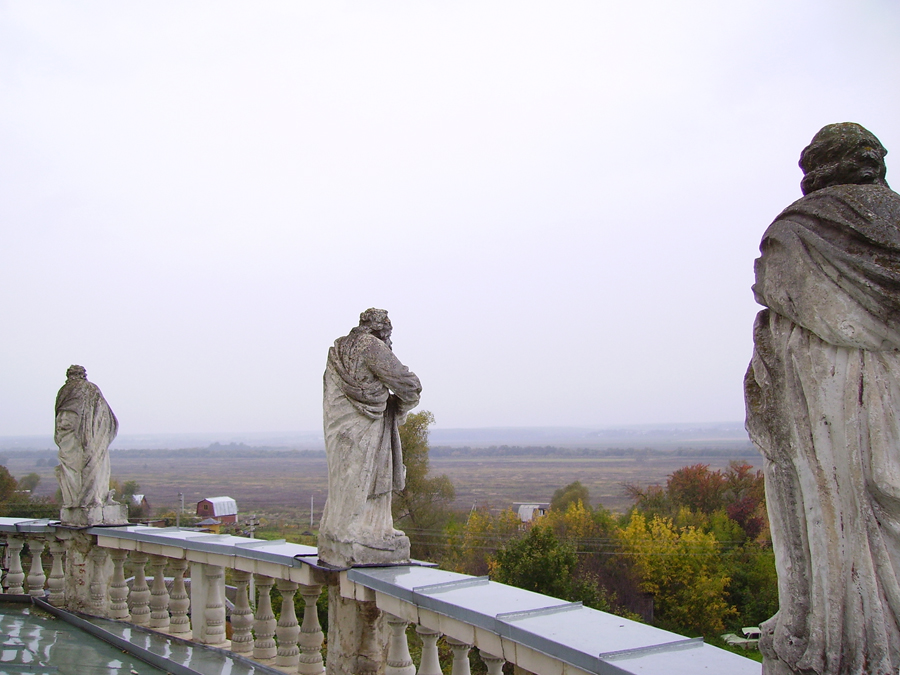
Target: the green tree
(542, 563)
(125, 493)
(8, 484)
(537, 562)
(422, 503)
(29, 482)
(570, 494)
(130, 488)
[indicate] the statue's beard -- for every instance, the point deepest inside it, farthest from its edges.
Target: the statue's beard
(385, 337)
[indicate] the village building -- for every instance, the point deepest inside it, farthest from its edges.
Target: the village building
(223, 509)
(139, 507)
(528, 511)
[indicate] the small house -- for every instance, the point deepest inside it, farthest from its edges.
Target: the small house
(223, 509)
(528, 511)
(138, 506)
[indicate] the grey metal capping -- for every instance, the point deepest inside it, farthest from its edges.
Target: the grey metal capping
(551, 609)
(566, 638)
(36, 526)
(687, 643)
(371, 577)
(253, 543)
(13, 525)
(451, 585)
(276, 551)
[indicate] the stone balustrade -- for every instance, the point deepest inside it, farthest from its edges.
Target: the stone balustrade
(89, 571)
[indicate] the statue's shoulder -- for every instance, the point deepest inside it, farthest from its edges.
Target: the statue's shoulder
(878, 199)
(355, 346)
(871, 211)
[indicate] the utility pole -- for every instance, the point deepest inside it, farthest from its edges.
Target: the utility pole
(311, 513)
(178, 513)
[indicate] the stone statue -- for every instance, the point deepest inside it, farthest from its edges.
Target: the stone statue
(367, 395)
(823, 406)
(85, 426)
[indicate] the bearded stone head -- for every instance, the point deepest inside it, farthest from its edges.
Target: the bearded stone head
(842, 154)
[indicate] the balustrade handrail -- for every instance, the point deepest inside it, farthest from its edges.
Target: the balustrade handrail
(538, 633)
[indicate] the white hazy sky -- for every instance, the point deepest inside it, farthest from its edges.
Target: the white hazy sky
(559, 203)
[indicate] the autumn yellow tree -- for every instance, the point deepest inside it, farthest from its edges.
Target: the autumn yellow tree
(471, 546)
(683, 570)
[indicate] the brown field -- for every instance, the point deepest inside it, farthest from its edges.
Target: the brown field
(280, 485)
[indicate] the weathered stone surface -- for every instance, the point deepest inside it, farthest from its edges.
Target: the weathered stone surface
(357, 636)
(85, 426)
(88, 571)
(367, 395)
(823, 395)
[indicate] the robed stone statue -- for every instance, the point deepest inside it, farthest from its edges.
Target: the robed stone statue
(823, 399)
(85, 426)
(367, 395)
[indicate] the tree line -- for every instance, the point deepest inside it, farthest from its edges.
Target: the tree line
(693, 555)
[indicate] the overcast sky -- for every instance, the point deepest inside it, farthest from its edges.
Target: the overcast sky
(559, 203)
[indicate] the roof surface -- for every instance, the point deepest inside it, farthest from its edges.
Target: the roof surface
(222, 506)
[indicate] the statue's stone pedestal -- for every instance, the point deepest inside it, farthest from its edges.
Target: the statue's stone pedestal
(357, 636)
(108, 514)
(88, 570)
(393, 550)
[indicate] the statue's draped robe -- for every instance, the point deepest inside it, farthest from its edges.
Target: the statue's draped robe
(85, 426)
(362, 442)
(823, 398)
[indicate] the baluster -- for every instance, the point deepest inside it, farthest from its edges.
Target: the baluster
(179, 600)
(57, 581)
(118, 587)
(494, 663)
(460, 657)
(159, 594)
(311, 636)
(140, 591)
(16, 575)
(215, 605)
(264, 627)
(399, 662)
(99, 581)
(36, 577)
(241, 616)
(288, 630)
(430, 664)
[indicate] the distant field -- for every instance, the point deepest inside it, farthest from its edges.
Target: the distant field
(497, 483)
(280, 484)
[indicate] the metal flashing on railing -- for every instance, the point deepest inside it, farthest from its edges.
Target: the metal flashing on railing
(254, 543)
(40, 525)
(26, 525)
(205, 536)
(687, 643)
(541, 611)
(445, 586)
(278, 551)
